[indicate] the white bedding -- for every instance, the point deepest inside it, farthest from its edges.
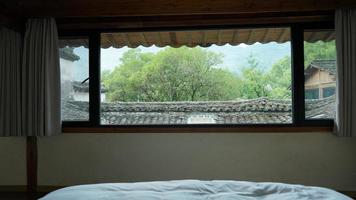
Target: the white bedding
(194, 190)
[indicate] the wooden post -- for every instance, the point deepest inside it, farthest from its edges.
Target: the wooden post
(31, 165)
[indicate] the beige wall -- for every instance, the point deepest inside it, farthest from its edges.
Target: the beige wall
(12, 161)
(306, 158)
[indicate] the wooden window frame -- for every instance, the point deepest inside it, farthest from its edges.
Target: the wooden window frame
(299, 123)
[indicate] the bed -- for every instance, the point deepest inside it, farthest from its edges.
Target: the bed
(194, 190)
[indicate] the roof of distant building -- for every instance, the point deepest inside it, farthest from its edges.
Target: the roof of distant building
(67, 53)
(84, 87)
(325, 65)
(256, 111)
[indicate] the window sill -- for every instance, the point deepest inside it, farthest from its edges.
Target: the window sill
(197, 129)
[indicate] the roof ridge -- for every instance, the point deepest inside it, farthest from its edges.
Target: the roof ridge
(204, 102)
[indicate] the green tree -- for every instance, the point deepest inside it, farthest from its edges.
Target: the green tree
(182, 74)
(191, 74)
(279, 79)
(319, 50)
(275, 83)
(253, 80)
(121, 81)
(105, 75)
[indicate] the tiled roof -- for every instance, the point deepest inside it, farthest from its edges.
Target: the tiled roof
(255, 105)
(327, 65)
(68, 54)
(257, 111)
(84, 87)
(320, 108)
(74, 110)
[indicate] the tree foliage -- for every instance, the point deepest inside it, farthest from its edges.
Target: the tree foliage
(319, 51)
(279, 79)
(191, 74)
(253, 80)
(183, 74)
(273, 83)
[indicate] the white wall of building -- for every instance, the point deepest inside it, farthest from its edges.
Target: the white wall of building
(66, 78)
(84, 96)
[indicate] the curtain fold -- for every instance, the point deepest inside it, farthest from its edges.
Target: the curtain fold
(10, 82)
(41, 79)
(345, 28)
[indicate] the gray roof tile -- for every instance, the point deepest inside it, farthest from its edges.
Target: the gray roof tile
(256, 111)
(68, 54)
(327, 65)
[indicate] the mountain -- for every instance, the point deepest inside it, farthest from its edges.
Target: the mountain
(267, 54)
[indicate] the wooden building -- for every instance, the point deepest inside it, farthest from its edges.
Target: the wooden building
(320, 79)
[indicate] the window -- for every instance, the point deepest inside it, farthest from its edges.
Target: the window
(196, 77)
(320, 74)
(74, 64)
(223, 78)
(328, 92)
(312, 93)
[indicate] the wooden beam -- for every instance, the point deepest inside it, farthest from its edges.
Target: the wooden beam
(173, 38)
(189, 38)
(207, 129)
(265, 35)
(114, 23)
(144, 39)
(280, 37)
(126, 39)
(219, 37)
(112, 39)
(10, 16)
(311, 35)
(107, 8)
(234, 37)
(31, 149)
(13, 188)
(328, 36)
(10, 8)
(160, 40)
(203, 36)
(250, 35)
(10, 22)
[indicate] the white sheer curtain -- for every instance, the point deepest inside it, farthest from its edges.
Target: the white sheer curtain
(10, 82)
(30, 80)
(41, 79)
(345, 28)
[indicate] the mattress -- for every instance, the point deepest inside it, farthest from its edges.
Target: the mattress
(194, 190)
